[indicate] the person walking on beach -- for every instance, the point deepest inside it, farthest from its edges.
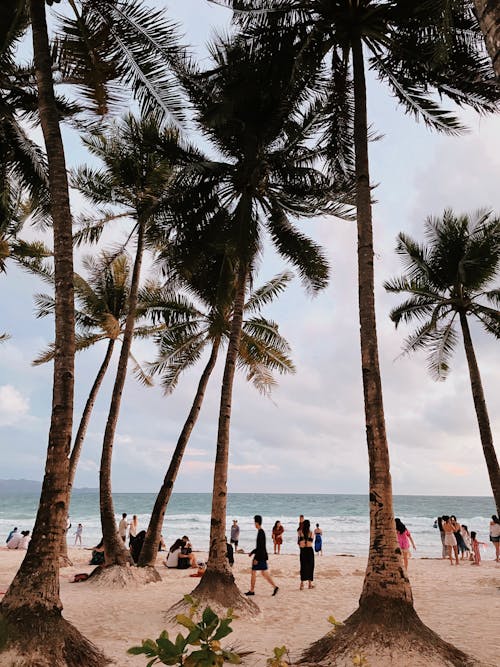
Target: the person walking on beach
(122, 527)
(306, 540)
(277, 536)
(404, 539)
(260, 558)
(318, 540)
(495, 536)
(235, 534)
(78, 534)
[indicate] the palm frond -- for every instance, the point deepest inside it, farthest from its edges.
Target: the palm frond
(268, 292)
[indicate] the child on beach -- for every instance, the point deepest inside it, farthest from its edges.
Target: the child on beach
(404, 539)
(475, 547)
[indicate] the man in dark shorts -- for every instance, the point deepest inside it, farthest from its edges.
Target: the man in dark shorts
(260, 557)
(235, 534)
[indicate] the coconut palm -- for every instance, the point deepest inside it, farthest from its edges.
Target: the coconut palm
(139, 163)
(265, 176)
(100, 314)
(31, 609)
(32, 606)
(449, 280)
(416, 49)
(488, 15)
(262, 350)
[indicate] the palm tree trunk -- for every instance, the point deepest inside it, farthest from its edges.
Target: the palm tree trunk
(82, 431)
(150, 547)
(483, 419)
(218, 584)
(488, 15)
(114, 549)
(31, 608)
(385, 577)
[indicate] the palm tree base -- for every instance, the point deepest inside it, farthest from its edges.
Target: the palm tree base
(385, 631)
(123, 576)
(219, 591)
(34, 637)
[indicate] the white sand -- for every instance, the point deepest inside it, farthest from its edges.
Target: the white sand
(461, 603)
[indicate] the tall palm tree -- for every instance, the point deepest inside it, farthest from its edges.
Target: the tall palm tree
(266, 175)
(100, 314)
(139, 163)
(448, 280)
(417, 49)
(488, 15)
(262, 350)
(31, 609)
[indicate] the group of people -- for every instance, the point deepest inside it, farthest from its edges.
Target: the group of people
(456, 540)
(18, 540)
(277, 536)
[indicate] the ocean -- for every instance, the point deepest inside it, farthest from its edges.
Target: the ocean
(343, 518)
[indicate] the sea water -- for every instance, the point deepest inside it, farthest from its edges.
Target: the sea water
(343, 518)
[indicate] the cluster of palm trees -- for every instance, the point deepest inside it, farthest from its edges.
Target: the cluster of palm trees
(282, 106)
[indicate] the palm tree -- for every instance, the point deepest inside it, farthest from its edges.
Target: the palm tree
(102, 301)
(31, 608)
(417, 49)
(265, 175)
(140, 160)
(449, 280)
(488, 15)
(262, 349)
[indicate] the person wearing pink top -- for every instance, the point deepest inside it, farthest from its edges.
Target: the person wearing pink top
(404, 540)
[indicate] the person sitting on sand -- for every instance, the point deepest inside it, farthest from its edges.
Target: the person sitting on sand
(25, 540)
(177, 559)
(9, 537)
(15, 540)
(136, 542)
(97, 554)
(404, 539)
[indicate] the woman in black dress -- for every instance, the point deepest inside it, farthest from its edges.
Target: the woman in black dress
(306, 540)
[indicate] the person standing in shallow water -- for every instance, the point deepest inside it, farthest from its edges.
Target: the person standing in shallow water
(260, 558)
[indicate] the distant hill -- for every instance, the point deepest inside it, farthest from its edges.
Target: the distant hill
(18, 486)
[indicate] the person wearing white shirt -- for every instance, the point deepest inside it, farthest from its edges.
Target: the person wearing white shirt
(122, 527)
(15, 541)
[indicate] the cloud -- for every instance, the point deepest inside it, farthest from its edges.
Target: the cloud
(13, 405)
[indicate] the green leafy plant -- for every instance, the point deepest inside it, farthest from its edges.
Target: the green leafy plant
(205, 634)
(278, 657)
(334, 623)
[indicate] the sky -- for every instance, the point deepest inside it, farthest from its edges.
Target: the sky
(309, 436)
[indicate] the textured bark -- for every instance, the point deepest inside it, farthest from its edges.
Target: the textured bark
(488, 15)
(483, 419)
(150, 547)
(385, 576)
(31, 609)
(81, 433)
(217, 584)
(114, 549)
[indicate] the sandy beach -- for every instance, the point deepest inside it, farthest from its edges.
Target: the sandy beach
(462, 604)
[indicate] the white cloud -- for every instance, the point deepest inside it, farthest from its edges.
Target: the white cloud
(13, 405)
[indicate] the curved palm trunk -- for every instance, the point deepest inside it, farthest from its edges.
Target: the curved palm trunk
(150, 547)
(114, 549)
(82, 431)
(488, 15)
(483, 420)
(32, 607)
(385, 577)
(217, 584)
